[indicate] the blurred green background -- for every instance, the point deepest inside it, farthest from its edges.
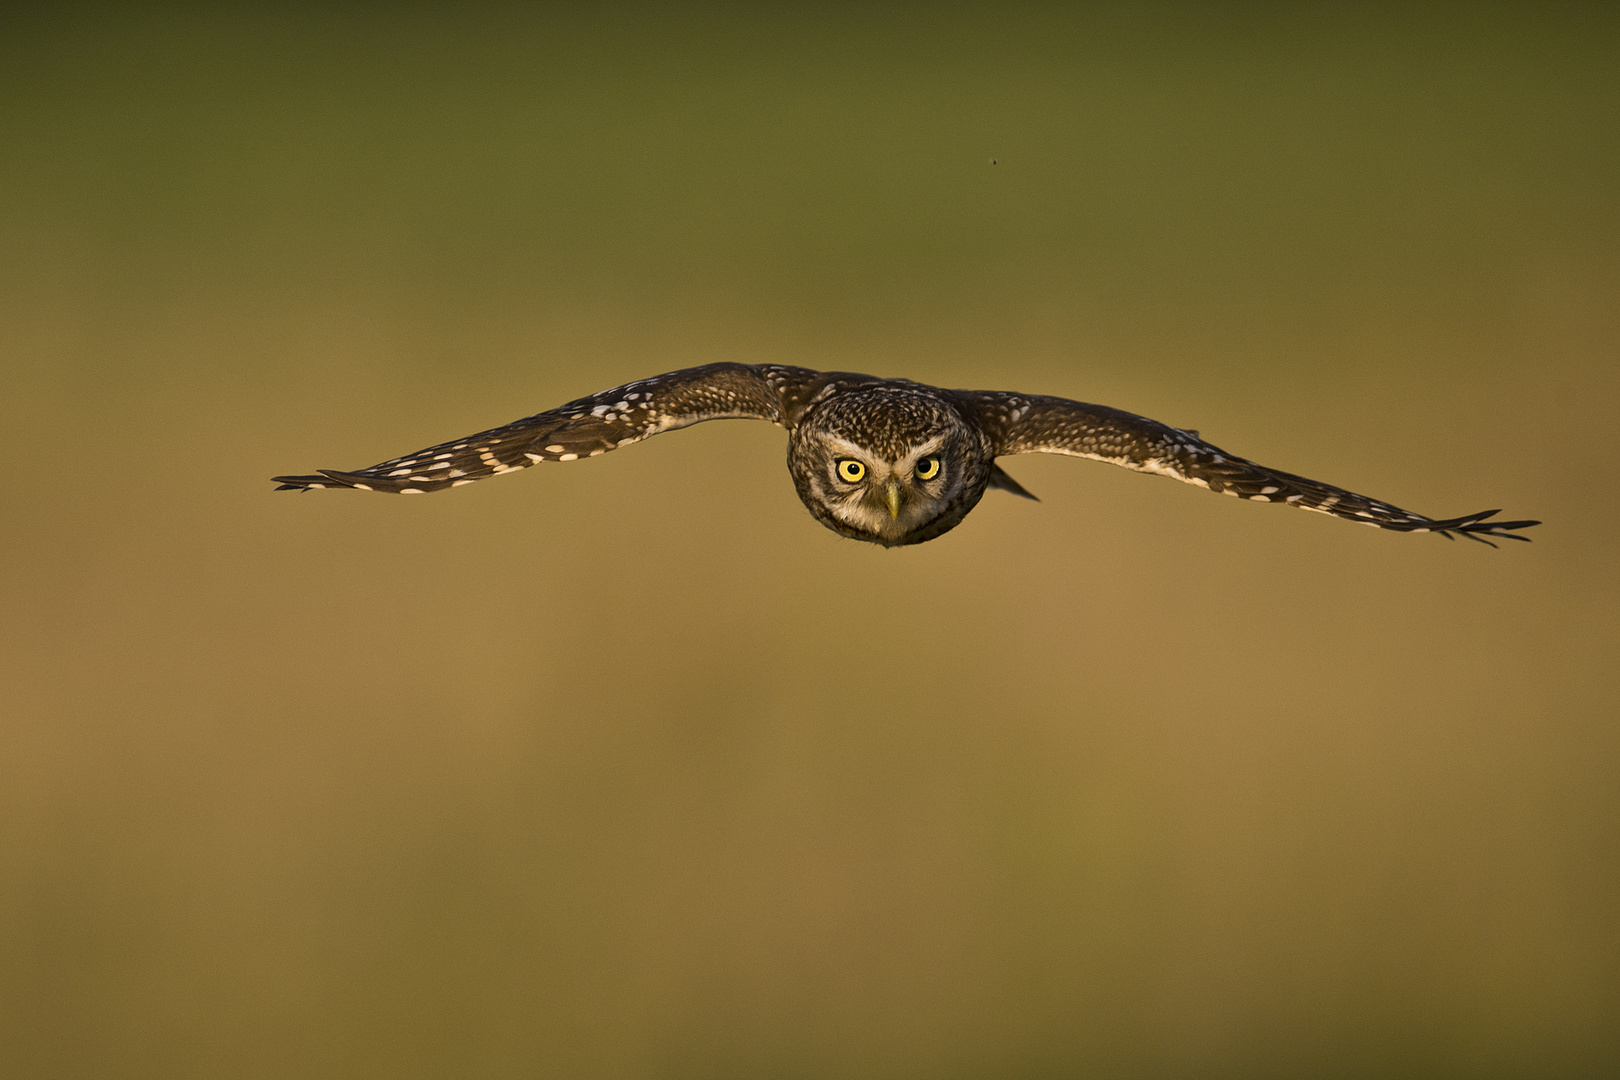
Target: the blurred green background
(628, 768)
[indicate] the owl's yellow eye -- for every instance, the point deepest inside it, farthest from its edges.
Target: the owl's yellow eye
(928, 468)
(851, 470)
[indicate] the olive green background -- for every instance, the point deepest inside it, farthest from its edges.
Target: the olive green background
(627, 768)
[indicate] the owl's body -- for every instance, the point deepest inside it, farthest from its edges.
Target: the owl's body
(888, 461)
(887, 427)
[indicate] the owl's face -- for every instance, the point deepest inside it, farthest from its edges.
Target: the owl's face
(886, 466)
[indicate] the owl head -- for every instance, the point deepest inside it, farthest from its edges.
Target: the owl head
(887, 464)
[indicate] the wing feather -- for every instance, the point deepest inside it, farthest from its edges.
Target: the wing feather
(584, 428)
(1026, 423)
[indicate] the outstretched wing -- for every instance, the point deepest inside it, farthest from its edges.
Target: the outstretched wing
(1027, 424)
(584, 428)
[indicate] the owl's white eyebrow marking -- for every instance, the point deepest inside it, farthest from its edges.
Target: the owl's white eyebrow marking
(849, 448)
(926, 448)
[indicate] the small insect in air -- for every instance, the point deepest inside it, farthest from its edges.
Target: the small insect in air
(889, 461)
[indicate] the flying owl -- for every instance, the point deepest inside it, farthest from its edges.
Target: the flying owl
(888, 461)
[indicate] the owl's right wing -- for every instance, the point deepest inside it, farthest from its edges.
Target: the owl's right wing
(1031, 424)
(584, 428)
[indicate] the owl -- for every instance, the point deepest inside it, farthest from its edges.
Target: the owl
(888, 461)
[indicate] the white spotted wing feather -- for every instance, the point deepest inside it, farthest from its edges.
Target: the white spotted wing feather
(580, 429)
(1023, 424)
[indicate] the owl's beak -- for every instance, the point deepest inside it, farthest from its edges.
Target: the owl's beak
(891, 492)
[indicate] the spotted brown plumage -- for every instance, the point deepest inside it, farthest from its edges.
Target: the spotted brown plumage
(1025, 424)
(588, 427)
(916, 459)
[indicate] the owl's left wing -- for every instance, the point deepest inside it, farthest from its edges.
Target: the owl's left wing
(1030, 424)
(584, 428)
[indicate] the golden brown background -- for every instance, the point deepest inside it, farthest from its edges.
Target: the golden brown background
(627, 768)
